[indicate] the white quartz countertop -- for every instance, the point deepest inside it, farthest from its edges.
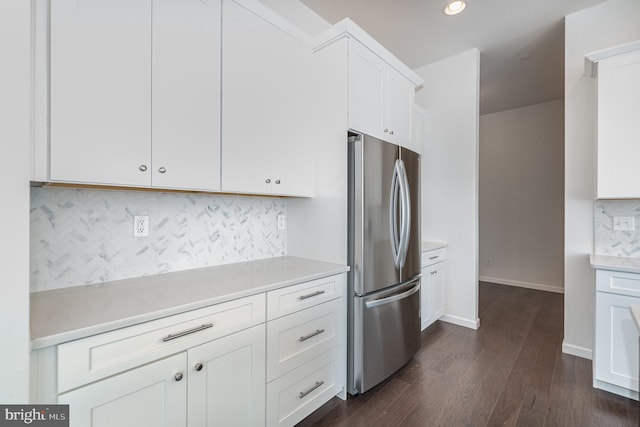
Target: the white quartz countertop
(635, 313)
(431, 246)
(605, 262)
(63, 315)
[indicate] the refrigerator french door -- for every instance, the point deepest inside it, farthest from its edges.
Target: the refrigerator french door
(384, 255)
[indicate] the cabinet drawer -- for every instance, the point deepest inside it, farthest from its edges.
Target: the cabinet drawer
(617, 282)
(295, 395)
(304, 295)
(99, 356)
(295, 339)
(433, 257)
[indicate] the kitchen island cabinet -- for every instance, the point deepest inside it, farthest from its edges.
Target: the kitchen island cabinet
(616, 355)
(200, 337)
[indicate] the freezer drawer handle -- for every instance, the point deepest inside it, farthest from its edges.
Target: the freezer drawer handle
(310, 389)
(314, 294)
(393, 298)
(187, 332)
(311, 335)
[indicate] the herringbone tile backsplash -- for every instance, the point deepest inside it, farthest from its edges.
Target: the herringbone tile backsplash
(614, 242)
(85, 236)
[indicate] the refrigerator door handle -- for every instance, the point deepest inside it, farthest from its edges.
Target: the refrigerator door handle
(393, 298)
(396, 238)
(406, 215)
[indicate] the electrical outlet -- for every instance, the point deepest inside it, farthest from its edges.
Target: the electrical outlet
(140, 226)
(488, 262)
(282, 222)
(624, 223)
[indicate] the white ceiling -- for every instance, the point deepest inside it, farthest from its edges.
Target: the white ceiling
(419, 33)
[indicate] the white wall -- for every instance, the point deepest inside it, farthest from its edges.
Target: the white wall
(14, 216)
(605, 25)
(299, 14)
(522, 197)
(450, 175)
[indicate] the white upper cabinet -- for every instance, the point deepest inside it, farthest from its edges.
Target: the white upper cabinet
(101, 91)
(399, 108)
(619, 126)
(266, 66)
(186, 94)
(367, 74)
(135, 92)
(381, 89)
(380, 98)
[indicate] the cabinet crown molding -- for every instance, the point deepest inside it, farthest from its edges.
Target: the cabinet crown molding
(349, 29)
(591, 59)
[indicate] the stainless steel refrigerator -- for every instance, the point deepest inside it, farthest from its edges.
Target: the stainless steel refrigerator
(384, 255)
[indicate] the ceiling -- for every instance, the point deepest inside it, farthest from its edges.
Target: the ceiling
(521, 42)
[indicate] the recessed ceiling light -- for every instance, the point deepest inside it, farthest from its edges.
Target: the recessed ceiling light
(455, 7)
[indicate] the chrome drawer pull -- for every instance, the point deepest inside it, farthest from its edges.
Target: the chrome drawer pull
(187, 332)
(309, 390)
(311, 335)
(315, 294)
(434, 257)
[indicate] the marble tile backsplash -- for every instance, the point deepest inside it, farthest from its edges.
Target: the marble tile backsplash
(616, 243)
(85, 236)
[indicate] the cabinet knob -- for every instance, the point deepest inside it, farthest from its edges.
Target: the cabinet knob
(268, 181)
(143, 168)
(199, 367)
(277, 181)
(162, 169)
(386, 131)
(178, 376)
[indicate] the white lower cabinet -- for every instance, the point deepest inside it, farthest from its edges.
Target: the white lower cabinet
(306, 348)
(149, 396)
(219, 365)
(301, 391)
(616, 352)
(226, 381)
(433, 286)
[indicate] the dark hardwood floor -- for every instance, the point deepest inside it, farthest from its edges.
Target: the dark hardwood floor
(510, 372)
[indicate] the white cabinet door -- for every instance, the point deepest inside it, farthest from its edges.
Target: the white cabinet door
(265, 82)
(616, 344)
(432, 294)
(380, 98)
(148, 396)
(400, 95)
(186, 94)
(366, 91)
(101, 91)
(618, 126)
(227, 380)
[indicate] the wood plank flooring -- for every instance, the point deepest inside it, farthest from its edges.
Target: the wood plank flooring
(510, 372)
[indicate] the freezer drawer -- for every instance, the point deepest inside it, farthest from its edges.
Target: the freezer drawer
(386, 333)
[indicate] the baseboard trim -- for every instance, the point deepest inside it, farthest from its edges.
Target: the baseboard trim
(461, 321)
(528, 285)
(620, 391)
(574, 350)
